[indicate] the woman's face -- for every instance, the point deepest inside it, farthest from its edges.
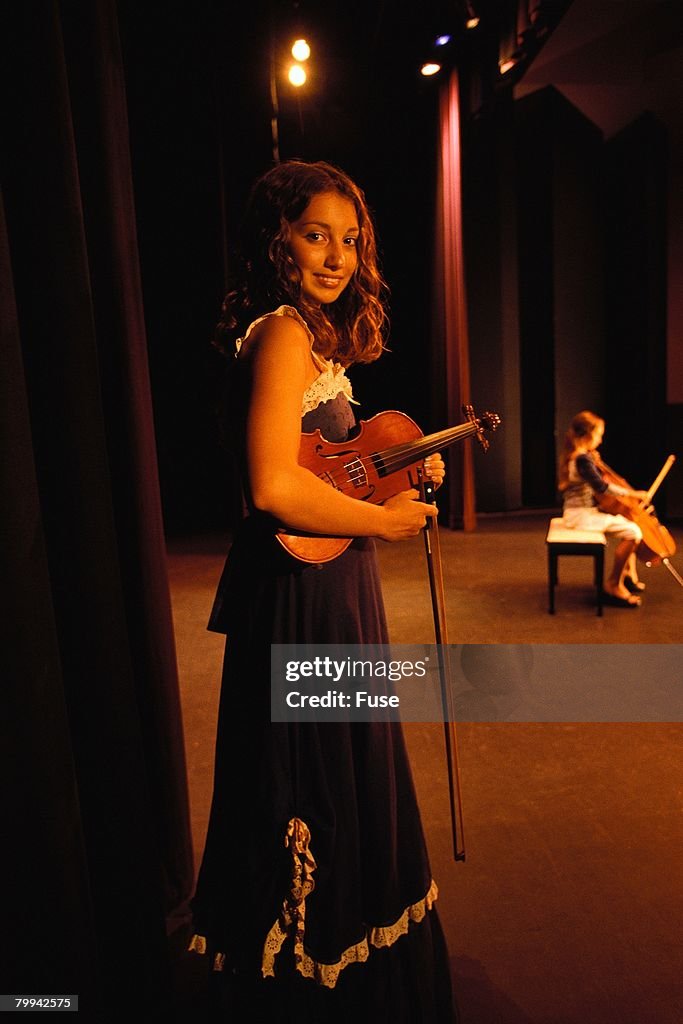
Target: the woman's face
(596, 437)
(323, 244)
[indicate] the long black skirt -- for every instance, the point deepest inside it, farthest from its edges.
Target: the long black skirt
(315, 898)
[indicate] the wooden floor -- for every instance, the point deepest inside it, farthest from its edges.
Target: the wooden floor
(496, 581)
(569, 905)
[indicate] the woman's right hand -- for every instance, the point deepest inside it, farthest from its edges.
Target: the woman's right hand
(405, 515)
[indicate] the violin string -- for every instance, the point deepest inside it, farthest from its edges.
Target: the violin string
(393, 459)
(398, 456)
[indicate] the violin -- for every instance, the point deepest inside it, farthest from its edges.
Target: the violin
(657, 544)
(373, 466)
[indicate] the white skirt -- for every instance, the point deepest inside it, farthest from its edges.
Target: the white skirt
(593, 519)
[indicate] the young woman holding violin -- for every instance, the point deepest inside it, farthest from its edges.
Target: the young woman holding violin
(314, 898)
(583, 481)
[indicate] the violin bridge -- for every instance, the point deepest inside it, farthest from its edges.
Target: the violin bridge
(357, 472)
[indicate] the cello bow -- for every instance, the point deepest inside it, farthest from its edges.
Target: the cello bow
(654, 486)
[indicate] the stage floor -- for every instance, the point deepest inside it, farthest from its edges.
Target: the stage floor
(568, 907)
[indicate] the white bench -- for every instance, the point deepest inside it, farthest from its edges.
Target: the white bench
(561, 540)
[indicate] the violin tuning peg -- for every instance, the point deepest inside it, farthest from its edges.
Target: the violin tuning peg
(490, 421)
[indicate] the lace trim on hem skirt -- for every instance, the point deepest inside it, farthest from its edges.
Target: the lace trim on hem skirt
(291, 921)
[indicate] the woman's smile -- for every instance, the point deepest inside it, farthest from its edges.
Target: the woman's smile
(329, 282)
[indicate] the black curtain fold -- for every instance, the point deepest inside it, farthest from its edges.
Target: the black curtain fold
(95, 744)
(48, 936)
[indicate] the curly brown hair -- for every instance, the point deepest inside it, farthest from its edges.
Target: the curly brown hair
(581, 428)
(353, 328)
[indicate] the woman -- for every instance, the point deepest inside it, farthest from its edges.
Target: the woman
(314, 898)
(580, 480)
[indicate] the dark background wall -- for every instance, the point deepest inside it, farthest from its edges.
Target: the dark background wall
(565, 240)
(636, 290)
(620, 65)
(198, 90)
(560, 253)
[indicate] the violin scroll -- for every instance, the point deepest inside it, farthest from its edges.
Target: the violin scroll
(487, 421)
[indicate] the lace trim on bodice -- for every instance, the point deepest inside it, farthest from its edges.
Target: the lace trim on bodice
(332, 380)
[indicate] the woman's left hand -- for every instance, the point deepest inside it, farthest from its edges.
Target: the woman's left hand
(435, 469)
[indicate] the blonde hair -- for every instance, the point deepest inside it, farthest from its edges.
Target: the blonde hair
(581, 428)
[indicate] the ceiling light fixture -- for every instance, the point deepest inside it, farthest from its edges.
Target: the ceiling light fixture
(296, 75)
(301, 50)
(472, 17)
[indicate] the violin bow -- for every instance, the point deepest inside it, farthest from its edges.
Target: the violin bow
(435, 568)
(436, 587)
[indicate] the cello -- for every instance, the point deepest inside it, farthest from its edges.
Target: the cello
(657, 544)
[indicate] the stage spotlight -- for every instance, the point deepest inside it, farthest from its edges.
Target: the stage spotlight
(430, 69)
(506, 65)
(442, 41)
(301, 50)
(296, 75)
(472, 17)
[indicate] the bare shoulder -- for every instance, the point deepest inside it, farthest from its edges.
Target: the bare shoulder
(281, 337)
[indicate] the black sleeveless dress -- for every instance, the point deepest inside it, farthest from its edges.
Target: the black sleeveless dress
(314, 897)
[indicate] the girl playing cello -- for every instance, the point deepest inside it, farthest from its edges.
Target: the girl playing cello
(580, 480)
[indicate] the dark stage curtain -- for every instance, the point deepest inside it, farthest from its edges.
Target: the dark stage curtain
(451, 303)
(96, 839)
